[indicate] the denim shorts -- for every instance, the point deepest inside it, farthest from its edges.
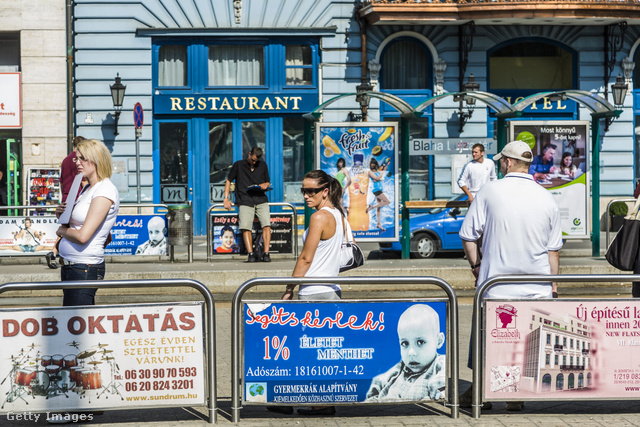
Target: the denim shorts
(81, 272)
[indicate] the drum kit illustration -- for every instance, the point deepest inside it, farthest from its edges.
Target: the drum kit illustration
(56, 375)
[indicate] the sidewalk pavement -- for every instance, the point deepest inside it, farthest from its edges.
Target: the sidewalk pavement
(224, 276)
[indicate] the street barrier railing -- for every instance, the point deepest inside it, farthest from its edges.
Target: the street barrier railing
(237, 319)
(220, 205)
(210, 326)
(477, 317)
(607, 217)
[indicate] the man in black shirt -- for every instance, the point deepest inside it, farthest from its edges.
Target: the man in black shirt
(252, 180)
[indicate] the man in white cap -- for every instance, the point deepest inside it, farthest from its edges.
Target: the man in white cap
(519, 223)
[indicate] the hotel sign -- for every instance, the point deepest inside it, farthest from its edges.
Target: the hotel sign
(233, 103)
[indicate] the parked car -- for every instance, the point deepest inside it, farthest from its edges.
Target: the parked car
(434, 231)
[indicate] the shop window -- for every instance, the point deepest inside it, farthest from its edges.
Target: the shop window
(236, 65)
(405, 65)
(299, 65)
(172, 65)
(531, 65)
(173, 152)
(9, 52)
(292, 158)
(220, 155)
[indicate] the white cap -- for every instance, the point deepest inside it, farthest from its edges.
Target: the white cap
(515, 150)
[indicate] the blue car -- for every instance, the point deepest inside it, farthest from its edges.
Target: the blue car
(433, 231)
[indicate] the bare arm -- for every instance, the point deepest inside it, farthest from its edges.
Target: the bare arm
(319, 226)
(472, 252)
(226, 202)
(98, 210)
(467, 192)
(554, 263)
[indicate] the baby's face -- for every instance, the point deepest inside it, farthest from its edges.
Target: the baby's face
(419, 343)
(228, 239)
(156, 234)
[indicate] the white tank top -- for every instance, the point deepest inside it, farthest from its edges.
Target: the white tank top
(326, 260)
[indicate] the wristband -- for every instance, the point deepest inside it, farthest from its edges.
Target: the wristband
(475, 266)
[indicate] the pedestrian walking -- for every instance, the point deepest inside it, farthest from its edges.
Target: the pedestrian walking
(519, 223)
(476, 173)
(252, 180)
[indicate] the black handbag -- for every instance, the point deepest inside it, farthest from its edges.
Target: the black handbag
(623, 250)
(351, 255)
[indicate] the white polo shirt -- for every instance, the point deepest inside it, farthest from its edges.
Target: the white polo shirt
(519, 221)
(474, 175)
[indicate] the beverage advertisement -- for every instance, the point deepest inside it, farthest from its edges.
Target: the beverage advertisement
(98, 357)
(227, 238)
(339, 352)
(561, 164)
(138, 235)
(364, 158)
(562, 349)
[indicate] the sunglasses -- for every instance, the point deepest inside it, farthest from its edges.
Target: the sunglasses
(80, 159)
(311, 191)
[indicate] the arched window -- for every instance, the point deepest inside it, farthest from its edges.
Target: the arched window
(546, 382)
(571, 381)
(559, 382)
(589, 379)
(405, 66)
(531, 65)
(580, 380)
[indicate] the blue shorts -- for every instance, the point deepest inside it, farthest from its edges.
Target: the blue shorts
(28, 248)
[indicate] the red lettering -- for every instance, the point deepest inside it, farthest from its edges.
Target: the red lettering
(10, 328)
(114, 321)
(25, 330)
(187, 323)
(49, 326)
(94, 323)
(133, 324)
(150, 318)
(81, 323)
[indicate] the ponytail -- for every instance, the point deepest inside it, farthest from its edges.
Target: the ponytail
(327, 181)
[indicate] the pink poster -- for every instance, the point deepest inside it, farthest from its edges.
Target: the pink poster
(562, 349)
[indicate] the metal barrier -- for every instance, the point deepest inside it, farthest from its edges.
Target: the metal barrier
(608, 217)
(220, 205)
(476, 346)
(452, 319)
(160, 283)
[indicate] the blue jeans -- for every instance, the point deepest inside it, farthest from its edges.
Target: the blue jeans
(81, 272)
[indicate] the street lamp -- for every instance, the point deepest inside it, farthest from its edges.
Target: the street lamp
(117, 94)
(618, 91)
(469, 86)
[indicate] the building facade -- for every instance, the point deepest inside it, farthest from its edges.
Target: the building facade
(216, 78)
(33, 94)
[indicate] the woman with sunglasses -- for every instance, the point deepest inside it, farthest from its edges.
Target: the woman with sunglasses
(83, 240)
(320, 256)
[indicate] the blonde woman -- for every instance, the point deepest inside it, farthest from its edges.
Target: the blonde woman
(83, 240)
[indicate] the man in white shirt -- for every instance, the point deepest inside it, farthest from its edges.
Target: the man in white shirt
(519, 223)
(476, 173)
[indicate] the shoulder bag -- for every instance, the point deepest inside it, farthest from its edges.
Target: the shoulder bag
(623, 250)
(351, 255)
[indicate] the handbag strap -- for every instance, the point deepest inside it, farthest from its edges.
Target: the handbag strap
(344, 232)
(635, 211)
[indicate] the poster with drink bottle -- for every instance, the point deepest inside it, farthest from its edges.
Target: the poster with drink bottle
(364, 158)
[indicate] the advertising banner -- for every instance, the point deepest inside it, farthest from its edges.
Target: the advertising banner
(338, 352)
(138, 235)
(10, 101)
(88, 358)
(21, 235)
(560, 164)
(227, 238)
(562, 349)
(364, 158)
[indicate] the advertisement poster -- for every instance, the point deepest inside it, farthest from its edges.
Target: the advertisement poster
(364, 158)
(227, 238)
(562, 349)
(138, 235)
(339, 352)
(96, 357)
(21, 235)
(10, 101)
(560, 164)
